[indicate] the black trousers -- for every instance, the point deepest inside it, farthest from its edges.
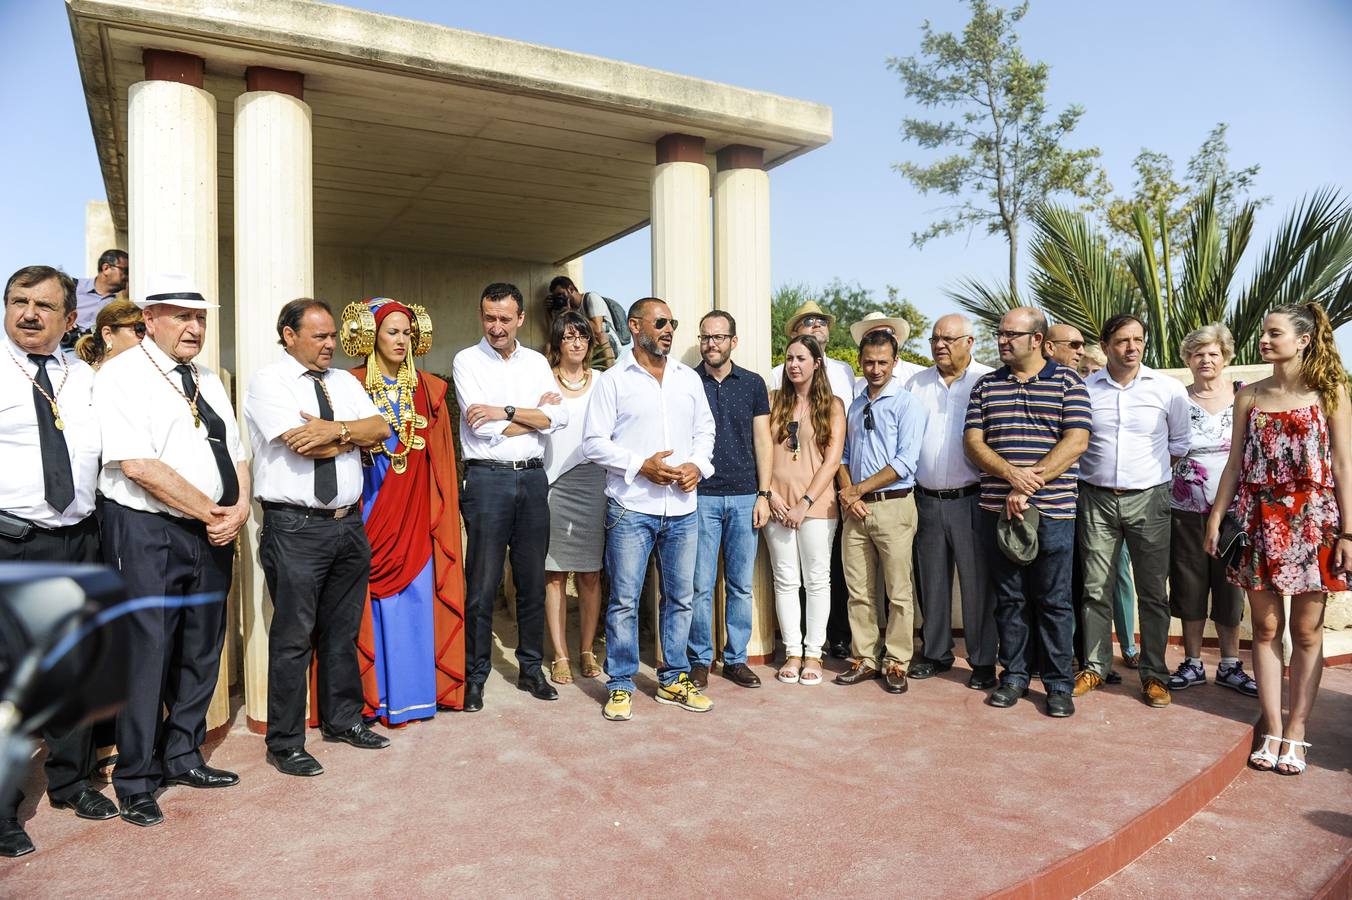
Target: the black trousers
(175, 651)
(506, 512)
(838, 620)
(318, 572)
(70, 756)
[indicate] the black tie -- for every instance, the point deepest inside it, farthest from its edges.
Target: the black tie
(326, 470)
(215, 437)
(57, 481)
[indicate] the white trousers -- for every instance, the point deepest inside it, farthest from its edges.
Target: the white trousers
(802, 558)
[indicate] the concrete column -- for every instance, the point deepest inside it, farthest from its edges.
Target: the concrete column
(171, 180)
(274, 263)
(680, 233)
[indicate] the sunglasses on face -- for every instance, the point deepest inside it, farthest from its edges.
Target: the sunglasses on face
(659, 324)
(1074, 345)
(138, 327)
(812, 321)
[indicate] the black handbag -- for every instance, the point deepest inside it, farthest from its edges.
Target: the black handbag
(1233, 540)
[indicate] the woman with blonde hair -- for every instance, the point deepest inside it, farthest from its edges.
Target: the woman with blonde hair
(808, 424)
(1291, 466)
(117, 327)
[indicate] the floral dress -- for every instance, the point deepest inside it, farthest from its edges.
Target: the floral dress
(1286, 504)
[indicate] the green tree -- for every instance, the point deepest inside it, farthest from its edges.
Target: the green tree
(848, 302)
(1011, 156)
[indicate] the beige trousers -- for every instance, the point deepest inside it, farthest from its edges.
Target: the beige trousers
(881, 543)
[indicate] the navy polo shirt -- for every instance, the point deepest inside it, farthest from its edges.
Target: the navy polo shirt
(734, 401)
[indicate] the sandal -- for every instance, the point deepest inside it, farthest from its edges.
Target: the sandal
(560, 672)
(789, 672)
(1296, 764)
(590, 667)
(811, 672)
(1264, 755)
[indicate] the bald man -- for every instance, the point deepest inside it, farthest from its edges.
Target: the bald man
(1064, 344)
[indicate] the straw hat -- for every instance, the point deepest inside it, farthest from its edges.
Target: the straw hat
(901, 329)
(809, 308)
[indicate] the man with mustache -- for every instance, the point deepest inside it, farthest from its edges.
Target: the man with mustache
(650, 426)
(176, 488)
(49, 452)
(509, 401)
(307, 421)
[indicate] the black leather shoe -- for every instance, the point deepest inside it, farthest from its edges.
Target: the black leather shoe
(1113, 678)
(14, 841)
(741, 674)
(359, 736)
(89, 804)
(894, 679)
(1060, 704)
(839, 650)
(928, 668)
(204, 777)
(474, 697)
(858, 672)
(538, 686)
(141, 809)
(982, 678)
(699, 675)
(294, 761)
(1006, 695)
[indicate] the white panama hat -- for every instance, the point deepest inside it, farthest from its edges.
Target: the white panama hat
(176, 290)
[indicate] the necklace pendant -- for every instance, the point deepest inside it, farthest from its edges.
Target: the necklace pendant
(419, 421)
(398, 464)
(417, 443)
(56, 417)
(196, 416)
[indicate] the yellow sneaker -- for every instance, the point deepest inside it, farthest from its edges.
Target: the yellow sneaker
(619, 707)
(1086, 680)
(683, 693)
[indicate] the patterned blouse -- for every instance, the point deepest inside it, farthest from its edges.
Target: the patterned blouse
(1197, 475)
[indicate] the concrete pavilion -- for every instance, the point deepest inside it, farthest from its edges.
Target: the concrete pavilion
(292, 148)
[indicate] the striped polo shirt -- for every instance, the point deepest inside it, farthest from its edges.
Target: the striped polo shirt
(1021, 421)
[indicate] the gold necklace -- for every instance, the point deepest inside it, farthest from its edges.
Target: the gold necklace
(573, 385)
(402, 416)
(50, 398)
(196, 385)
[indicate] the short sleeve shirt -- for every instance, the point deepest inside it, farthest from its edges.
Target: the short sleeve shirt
(1021, 421)
(734, 402)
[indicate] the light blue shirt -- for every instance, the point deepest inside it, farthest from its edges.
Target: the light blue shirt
(898, 429)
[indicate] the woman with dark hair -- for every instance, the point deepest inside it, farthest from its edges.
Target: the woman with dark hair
(411, 646)
(1291, 466)
(118, 326)
(808, 424)
(577, 501)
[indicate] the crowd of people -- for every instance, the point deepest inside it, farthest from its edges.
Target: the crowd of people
(1065, 489)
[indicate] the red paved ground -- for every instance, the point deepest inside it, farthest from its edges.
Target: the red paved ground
(1265, 835)
(777, 791)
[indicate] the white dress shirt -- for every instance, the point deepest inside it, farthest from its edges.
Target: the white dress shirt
(21, 489)
(631, 416)
(943, 464)
(838, 373)
(143, 415)
(564, 449)
(483, 376)
(278, 394)
(1137, 428)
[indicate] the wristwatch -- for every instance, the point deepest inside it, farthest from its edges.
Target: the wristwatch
(765, 494)
(509, 411)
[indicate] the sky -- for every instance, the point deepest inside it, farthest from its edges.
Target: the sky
(1150, 73)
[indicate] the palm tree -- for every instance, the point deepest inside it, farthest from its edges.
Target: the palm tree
(1080, 280)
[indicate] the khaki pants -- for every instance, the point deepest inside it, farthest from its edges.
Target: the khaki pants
(882, 542)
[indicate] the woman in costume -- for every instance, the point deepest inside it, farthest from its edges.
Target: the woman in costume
(412, 642)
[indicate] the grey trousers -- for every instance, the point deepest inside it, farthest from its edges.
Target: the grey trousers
(1141, 520)
(946, 535)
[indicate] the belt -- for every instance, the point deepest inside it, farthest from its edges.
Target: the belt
(950, 493)
(517, 464)
(309, 512)
(1120, 492)
(879, 496)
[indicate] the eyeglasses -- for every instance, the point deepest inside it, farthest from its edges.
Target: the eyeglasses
(868, 416)
(814, 322)
(575, 339)
(714, 338)
(793, 439)
(138, 327)
(947, 340)
(1013, 335)
(1074, 345)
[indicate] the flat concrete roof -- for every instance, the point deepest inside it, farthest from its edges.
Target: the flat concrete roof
(433, 138)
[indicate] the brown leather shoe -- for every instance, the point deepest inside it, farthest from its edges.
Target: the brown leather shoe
(699, 676)
(741, 674)
(1155, 693)
(894, 676)
(859, 671)
(1086, 680)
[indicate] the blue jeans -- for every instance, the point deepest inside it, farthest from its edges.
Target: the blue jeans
(724, 522)
(630, 538)
(1049, 608)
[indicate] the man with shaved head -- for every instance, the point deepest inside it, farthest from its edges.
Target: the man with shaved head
(947, 485)
(1064, 344)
